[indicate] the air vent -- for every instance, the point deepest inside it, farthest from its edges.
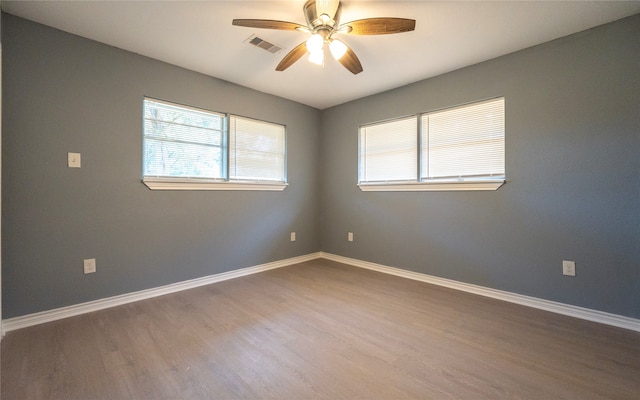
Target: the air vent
(253, 40)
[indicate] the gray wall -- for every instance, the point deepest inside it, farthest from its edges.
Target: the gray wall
(63, 93)
(573, 171)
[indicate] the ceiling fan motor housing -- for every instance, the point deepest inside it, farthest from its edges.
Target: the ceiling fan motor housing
(323, 14)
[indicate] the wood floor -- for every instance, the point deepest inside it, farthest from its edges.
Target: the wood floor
(321, 330)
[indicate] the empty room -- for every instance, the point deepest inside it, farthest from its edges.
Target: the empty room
(320, 199)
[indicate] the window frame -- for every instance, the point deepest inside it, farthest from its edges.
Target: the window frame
(224, 183)
(468, 183)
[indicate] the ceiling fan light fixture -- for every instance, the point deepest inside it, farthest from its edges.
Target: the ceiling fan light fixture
(337, 48)
(317, 57)
(315, 43)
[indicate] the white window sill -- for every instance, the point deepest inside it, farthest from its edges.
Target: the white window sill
(201, 184)
(493, 184)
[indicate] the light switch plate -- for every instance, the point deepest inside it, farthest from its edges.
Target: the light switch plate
(73, 160)
(569, 268)
(89, 266)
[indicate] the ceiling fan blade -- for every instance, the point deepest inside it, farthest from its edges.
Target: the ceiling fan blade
(293, 56)
(351, 62)
(269, 24)
(378, 26)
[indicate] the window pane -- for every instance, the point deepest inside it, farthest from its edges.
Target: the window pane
(466, 141)
(182, 159)
(389, 151)
(169, 131)
(256, 150)
(182, 141)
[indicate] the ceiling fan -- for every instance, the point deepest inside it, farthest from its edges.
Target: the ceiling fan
(323, 23)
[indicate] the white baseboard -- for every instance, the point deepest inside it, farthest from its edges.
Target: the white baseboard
(83, 308)
(552, 306)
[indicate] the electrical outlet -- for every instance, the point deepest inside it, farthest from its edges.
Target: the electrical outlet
(293, 236)
(73, 160)
(90, 266)
(568, 268)
(350, 236)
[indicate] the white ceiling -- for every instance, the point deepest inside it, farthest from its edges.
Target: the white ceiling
(198, 35)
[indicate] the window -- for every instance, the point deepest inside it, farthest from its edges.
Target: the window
(186, 148)
(460, 148)
(256, 150)
(182, 142)
(389, 151)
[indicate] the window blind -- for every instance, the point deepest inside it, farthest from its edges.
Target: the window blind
(256, 150)
(182, 141)
(389, 151)
(466, 141)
